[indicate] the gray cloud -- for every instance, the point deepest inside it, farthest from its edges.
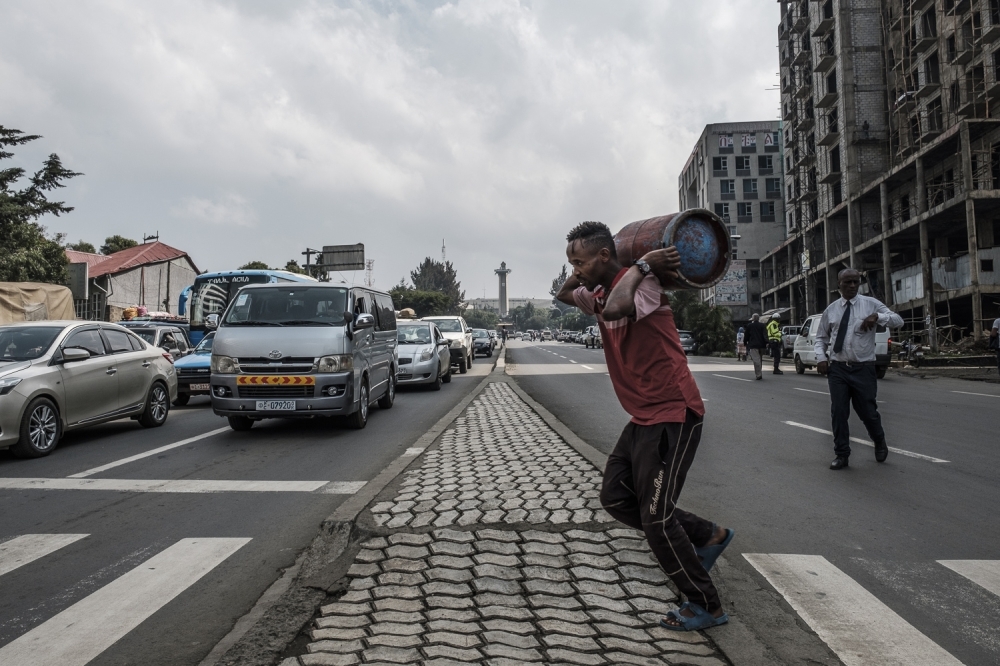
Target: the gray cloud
(250, 130)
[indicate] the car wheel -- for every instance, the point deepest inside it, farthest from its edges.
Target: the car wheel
(436, 386)
(40, 430)
(489, 354)
(157, 407)
(389, 397)
(471, 359)
(240, 423)
(182, 399)
(463, 365)
(880, 371)
(447, 378)
(359, 419)
(799, 368)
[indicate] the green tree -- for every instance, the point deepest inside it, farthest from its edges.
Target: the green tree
(293, 267)
(433, 275)
(254, 266)
(117, 243)
(424, 303)
(26, 252)
(712, 327)
(82, 246)
(481, 319)
(557, 284)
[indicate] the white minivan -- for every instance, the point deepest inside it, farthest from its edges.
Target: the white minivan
(805, 355)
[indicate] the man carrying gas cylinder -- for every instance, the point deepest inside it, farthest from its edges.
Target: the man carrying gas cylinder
(774, 342)
(650, 375)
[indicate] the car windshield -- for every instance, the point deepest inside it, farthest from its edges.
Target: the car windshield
(449, 325)
(288, 306)
(206, 343)
(413, 334)
(480, 334)
(147, 334)
(24, 343)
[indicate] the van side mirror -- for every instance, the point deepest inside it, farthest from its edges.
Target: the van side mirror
(212, 321)
(71, 354)
(364, 320)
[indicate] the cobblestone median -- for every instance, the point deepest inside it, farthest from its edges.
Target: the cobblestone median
(455, 582)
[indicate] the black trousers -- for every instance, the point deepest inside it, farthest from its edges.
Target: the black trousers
(853, 385)
(775, 346)
(642, 481)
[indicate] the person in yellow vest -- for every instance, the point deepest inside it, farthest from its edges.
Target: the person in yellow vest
(774, 342)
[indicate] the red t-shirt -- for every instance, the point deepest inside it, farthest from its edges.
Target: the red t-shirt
(645, 359)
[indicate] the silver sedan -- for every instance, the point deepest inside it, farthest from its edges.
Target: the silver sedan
(424, 355)
(57, 376)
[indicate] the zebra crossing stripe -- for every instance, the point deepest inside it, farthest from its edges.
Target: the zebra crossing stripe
(984, 573)
(171, 485)
(859, 628)
(29, 547)
(80, 633)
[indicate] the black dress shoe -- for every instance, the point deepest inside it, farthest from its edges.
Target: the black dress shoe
(881, 451)
(838, 463)
(778, 372)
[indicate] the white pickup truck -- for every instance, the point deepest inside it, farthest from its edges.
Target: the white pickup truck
(805, 355)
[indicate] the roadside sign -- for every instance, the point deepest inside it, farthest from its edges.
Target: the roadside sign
(343, 257)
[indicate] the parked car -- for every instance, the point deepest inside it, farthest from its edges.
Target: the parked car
(57, 376)
(805, 354)
(459, 335)
(168, 338)
(592, 337)
(193, 371)
(481, 343)
(688, 342)
(424, 357)
(301, 350)
(788, 335)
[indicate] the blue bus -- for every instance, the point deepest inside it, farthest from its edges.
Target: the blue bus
(211, 293)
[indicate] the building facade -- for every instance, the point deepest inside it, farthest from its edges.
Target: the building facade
(891, 114)
(735, 170)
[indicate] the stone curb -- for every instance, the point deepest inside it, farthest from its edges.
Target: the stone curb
(340, 525)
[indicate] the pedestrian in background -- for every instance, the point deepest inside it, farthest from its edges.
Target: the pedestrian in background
(741, 346)
(995, 340)
(774, 342)
(649, 372)
(851, 322)
(756, 339)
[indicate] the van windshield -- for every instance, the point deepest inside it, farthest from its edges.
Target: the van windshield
(288, 306)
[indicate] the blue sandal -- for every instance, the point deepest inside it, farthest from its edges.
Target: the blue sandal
(709, 554)
(702, 619)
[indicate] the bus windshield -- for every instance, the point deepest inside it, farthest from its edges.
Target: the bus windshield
(211, 295)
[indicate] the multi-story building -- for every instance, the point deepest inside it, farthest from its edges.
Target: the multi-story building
(891, 114)
(735, 170)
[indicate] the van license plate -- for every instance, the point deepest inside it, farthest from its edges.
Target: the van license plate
(275, 405)
(199, 387)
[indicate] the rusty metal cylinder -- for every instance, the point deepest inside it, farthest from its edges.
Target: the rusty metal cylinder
(700, 236)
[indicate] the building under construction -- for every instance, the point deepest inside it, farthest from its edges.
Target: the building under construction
(891, 128)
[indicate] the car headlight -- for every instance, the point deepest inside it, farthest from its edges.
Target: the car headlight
(7, 385)
(427, 355)
(335, 363)
(456, 343)
(224, 365)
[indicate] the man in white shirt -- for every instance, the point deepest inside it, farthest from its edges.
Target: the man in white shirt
(850, 323)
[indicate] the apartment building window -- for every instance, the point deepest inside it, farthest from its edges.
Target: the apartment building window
(835, 160)
(904, 208)
(986, 265)
(765, 164)
(838, 194)
(935, 116)
(773, 145)
(951, 48)
(754, 273)
(727, 188)
(788, 163)
(720, 166)
(932, 70)
(726, 144)
(744, 213)
(767, 211)
(722, 210)
(772, 186)
(954, 97)
(831, 83)
(742, 165)
(749, 188)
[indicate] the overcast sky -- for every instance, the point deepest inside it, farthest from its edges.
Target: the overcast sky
(252, 129)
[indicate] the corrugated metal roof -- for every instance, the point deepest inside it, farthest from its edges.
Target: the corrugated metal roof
(140, 255)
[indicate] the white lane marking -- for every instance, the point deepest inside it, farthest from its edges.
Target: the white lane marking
(985, 395)
(140, 456)
(29, 547)
(83, 631)
(162, 486)
(984, 573)
(342, 487)
(586, 366)
(414, 451)
(858, 440)
(572, 361)
(739, 379)
(811, 391)
(858, 627)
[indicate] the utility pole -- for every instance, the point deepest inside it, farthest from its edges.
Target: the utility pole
(444, 257)
(308, 254)
(370, 273)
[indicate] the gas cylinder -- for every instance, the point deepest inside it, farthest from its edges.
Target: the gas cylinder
(700, 236)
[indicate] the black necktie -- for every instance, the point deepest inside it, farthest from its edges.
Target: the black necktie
(838, 344)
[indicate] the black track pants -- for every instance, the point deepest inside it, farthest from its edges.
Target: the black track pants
(642, 481)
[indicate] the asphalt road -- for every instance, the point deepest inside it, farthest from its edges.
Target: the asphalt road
(194, 561)
(886, 527)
